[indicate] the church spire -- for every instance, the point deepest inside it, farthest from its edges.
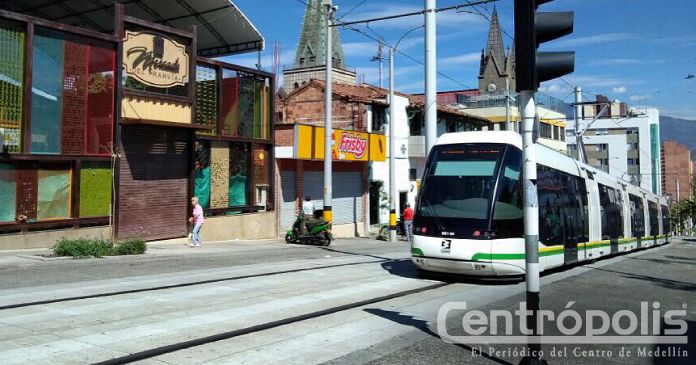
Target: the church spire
(495, 45)
(310, 50)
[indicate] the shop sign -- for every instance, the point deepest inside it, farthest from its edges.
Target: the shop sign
(345, 146)
(351, 145)
(155, 60)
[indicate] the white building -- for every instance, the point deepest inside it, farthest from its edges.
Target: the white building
(625, 143)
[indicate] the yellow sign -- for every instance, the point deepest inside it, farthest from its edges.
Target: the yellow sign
(346, 146)
(155, 60)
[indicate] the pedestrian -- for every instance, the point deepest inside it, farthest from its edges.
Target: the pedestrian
(197, 221)
(408, 222)
(307, 213)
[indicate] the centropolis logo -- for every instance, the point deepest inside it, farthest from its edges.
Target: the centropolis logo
(651, 325)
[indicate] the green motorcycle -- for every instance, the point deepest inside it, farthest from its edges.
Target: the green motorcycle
(318, 232)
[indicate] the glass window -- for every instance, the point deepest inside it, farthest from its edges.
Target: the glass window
(247, 92)
(545, 130)
(8, 193)
(637, 216)
(11, 81)
(666, 228)
(654, 221)
(73, 95)
(611, 207)
(239, 173)
(201, 182)
(47, 92)
(563, 212)
(54, 187)
(459, 189)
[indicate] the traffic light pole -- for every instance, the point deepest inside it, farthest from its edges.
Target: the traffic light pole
(531, 225)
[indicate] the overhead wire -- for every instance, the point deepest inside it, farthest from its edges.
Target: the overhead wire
(350, 27)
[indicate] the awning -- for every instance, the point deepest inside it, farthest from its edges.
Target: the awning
(222, 27)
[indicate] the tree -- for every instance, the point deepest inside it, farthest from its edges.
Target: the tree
(683, 210)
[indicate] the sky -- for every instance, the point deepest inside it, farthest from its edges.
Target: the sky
(637, 51)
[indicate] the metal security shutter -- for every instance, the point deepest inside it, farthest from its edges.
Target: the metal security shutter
(287, 202)
(347, 195)
(347, 202)
(153, 182)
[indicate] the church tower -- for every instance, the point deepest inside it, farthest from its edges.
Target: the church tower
(310, 56)
(497, 66)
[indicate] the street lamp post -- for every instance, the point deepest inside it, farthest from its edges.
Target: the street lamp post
(393, 198)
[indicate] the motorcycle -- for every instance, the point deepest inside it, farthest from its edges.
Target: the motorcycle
(317, 232)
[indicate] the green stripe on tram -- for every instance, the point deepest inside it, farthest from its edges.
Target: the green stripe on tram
(416, 251)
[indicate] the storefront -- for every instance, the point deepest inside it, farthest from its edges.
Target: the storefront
(82, 152)
(300, 155)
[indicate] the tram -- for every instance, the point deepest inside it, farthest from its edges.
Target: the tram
(469, 212)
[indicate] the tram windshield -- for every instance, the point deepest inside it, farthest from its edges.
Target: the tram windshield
(471, 191)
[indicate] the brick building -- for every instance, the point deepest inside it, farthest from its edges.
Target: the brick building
(677, 170)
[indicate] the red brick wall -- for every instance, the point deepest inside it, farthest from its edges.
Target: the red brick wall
(307, 107)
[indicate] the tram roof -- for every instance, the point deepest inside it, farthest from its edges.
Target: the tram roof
(223, 28)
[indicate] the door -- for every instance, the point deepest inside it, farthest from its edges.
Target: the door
(288, 204)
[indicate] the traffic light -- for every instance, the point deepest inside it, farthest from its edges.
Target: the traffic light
(531, 29)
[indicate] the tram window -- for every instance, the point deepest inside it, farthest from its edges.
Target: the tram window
(611, 205)
(654, 223)
(666, 228)
(637, 216)
(563, 212)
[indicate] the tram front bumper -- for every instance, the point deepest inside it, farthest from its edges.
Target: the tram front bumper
(472, 268)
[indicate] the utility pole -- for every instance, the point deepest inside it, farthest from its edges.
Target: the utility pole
(379, 57)
(578, 113)
(677, 189)
(392, 151)
(328, 128)
(430, 102)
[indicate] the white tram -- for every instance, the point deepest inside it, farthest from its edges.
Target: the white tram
(469, 215)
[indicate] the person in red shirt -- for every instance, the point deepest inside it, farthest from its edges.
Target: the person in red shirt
(408, 222)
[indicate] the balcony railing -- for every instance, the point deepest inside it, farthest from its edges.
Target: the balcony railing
(497, 99)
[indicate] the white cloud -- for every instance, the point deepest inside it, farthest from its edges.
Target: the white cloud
(639, 97)
(359, 49)
(466, 58)
(616, 62)
(552, 89)
(444, 19)
(593, 39)
(619, 89)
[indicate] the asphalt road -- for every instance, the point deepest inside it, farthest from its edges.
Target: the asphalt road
(356, 302)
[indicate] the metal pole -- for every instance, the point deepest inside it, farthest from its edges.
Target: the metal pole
(578, 113)
(677, 189)
(508, 126)
(328, 129)
(381, 59)
(531, 218)
(430, 104)
(392, 151)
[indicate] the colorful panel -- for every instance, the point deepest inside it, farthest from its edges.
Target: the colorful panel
(53, 194)
(95, 189)
(206, 98)
(11, 79)
(246, 106)
(75, 60)
(100, 102)
(8, 193)
(27, 191)
(230, 105)
(219, 175)
(258, 108)
(239, 170)
(47, 94)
